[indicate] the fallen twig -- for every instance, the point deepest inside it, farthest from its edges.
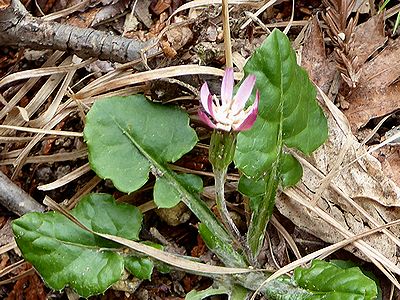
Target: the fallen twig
(19, 28)
(15, 199)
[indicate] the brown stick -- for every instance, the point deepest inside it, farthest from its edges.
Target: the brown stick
(19, 28)
(15, 199)
(227, 34)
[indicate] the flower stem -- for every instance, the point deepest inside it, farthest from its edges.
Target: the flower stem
(220, 176)
(227, 34)
(222, 149)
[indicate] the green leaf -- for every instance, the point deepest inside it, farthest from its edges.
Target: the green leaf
(290, 170)
(250, 187)
(345, 264)
(101, 213)
(239, 293)
(225, 250)
(66, 255)
(288, 116)
(288, 111)
(264, 207)
(199, 295)
(328, 281)
(128, 136)
(167, 196)
(139, 267)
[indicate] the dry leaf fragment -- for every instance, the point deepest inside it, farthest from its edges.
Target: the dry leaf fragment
(390, 159)
(110, 11)
(314, 60)
(4, 4)
(377, 93)
(179, 36)
(367, 39)
(142, 12)
(167, 49)
(362, 6)
(358, 198)
(161, 6)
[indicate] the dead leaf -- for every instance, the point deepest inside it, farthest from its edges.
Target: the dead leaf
(28, 287)
(377, 93)
(174, 216)
(179, 36)
(167, 49)
(4, 4)
(362, 7)
(368, 37)
(390, 159)
(314, 60)
(161, 6)
(358, 198)
(6, 234)
(110, 11)
(131, 23)
(142, 12)
(84, 19)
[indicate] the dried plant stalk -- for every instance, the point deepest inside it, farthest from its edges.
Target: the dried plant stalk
(340, 31)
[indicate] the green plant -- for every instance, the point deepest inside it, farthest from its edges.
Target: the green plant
(130, 137)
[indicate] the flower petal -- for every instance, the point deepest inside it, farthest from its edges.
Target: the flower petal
(250, 119)
(243, 93)
(206, 98)
(206, 120)
(227, 86)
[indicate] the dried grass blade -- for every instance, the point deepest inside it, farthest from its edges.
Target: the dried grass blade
(65, 179)
(152, 75)
(43, 131)
(43, 72)
(258, 12)
(8, 247)
(28, 85)
(24, 153)
(39, 159)
(199, 3)
(52, 109)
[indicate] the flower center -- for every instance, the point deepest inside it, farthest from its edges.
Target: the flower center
(224, 115)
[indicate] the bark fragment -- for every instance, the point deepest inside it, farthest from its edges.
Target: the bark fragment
(15, 199)
(20, 29)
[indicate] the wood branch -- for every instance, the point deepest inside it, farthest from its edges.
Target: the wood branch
(19, 28)
(15, 199)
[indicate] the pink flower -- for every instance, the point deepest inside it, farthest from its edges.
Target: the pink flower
(228, 113)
